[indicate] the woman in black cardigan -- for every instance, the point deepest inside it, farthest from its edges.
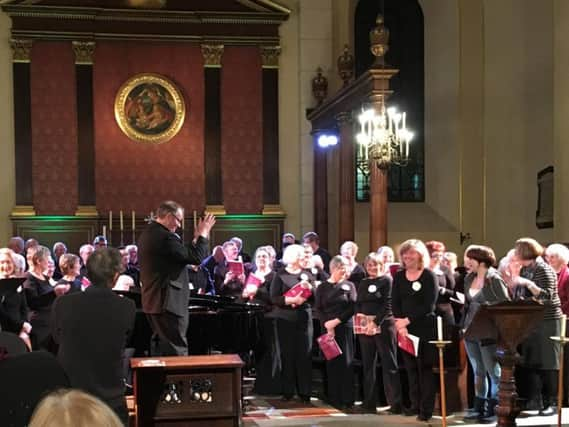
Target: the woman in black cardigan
(380, 338)
(293, 315)
(335, 304)
(415, 293)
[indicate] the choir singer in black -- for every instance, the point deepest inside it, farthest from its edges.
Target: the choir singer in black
(164, 276)
(335, 304)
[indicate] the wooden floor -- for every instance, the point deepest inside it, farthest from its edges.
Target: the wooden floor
(267, 411)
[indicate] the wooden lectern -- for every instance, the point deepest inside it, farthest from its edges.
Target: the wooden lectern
(515, 321)
(187, 390)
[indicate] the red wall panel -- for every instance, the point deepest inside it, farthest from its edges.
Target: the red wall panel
(137, 176)
(54, 129)
(241, 130)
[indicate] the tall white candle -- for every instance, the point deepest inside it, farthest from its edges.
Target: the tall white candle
(121, 221)
(133, 220)
(105, 231)
(439, 328)
(110, 220)
(563, 325)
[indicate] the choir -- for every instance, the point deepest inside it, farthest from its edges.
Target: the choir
(365, 311)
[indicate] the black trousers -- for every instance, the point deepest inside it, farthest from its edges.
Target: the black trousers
(340, 372)
(268, 366)
(383, 345)
(295, 340)
(422, 386)
(170, 331)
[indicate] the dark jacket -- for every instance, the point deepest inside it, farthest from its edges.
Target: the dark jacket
(92, 329)
(494, 291)
(163, 275)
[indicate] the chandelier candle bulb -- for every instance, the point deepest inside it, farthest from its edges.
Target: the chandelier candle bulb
(563, 325)
(439, 328)
(121, 223)
(110, 220)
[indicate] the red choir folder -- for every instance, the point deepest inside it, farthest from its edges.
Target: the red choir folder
(298, 289)
(361, 323)
(251, 285)
(253, 280)
(329, 347)
(410, 344)
(236, 267)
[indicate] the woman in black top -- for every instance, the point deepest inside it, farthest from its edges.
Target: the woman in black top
(445, 280)
(13, 307)
(70, 266)
(40, 296)
(267, 358)
(415, 293)
(349, 250)
(293, 316)
(379, 338)
(335, 304)
(540, 354)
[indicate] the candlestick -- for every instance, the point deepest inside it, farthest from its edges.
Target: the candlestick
(439, 328)
(105, 231)
(121, 221)
(563, 325)
(110, 221)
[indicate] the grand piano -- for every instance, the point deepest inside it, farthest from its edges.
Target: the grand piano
(218, 324)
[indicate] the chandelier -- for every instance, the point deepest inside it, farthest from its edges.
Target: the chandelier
(384, 139)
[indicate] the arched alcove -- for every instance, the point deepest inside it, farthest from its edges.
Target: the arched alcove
(404, 19)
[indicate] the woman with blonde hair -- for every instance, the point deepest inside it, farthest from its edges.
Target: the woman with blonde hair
(70, 408)
(13, 307)
(293, 315)
(379, 339)
(414, 295)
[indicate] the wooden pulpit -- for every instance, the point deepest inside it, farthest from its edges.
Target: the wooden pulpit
(187, 390)
(515, 321)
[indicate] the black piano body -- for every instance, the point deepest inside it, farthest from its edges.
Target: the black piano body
(217, 324)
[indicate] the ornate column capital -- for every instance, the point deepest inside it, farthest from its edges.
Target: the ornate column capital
(83, 51)
(212, 54)
(344, 118)
(270, 56)
(21, 49)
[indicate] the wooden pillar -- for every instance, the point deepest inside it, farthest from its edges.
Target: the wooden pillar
(84, 51)
(377, 207)
(212, 138)
(347, 177)
(320, 170)
(21, 57)
(271, 193)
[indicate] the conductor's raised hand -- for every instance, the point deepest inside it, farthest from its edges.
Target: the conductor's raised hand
(205, 225)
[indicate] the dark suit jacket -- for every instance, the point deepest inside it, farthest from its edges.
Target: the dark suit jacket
(163, 275)
(92, 329)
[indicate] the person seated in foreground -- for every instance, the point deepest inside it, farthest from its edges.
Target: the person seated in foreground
(67, 408)
(92, 329)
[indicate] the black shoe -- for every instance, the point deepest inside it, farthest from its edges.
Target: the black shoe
(410, 412)
(304, 399)
(396, 409)
(424, 417)
(546, 412)
(287, 398)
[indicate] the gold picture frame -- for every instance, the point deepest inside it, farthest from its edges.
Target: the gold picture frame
(150, 108)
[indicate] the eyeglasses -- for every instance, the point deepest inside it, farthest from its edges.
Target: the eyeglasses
(178, 220)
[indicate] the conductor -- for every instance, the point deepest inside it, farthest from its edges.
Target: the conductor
(164, 276)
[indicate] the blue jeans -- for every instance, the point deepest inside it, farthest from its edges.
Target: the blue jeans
(485, 365)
